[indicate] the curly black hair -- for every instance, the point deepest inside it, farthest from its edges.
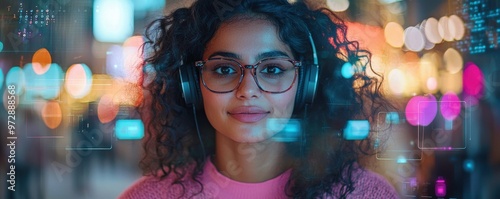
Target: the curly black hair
(171, 144)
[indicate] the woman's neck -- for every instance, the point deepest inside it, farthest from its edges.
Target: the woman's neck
(250, 162)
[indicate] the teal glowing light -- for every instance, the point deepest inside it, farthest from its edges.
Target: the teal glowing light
(15, 77)
(47, 85)
(148, 5)
(347, 70)
(468, 165)
(356, 130)
(129, 129)
(289, 130)
(113, 20)
(401, 160)
(392, 118)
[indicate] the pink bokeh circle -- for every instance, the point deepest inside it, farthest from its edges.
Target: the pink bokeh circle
(450, 106)
(421, 110)
(473, 83)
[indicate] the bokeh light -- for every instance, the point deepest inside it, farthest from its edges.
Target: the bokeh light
(448, 82)
(78, 80)
(338, 5)
(397, 81)
(347, 70)
(431, 84)
(414, 39)
(412, 80)
(115, 62)
(468, 165)
(107, 14)
(148, 5)
(421, 110)
(428, 44)
(107, 109)
(401, 160)
(450, 106)
(453, 60)
(394, 34)
(132, 54)
(443, 29)
(41, 61)
(289, 130)
(431, 30)
(368, 36)
(356, 130)
(47, 85)
(473, 81)
(15, 77)
(456, 26)
(392, 118)
(1, 46)
(428, 70)
(52, 114)
(129, 129)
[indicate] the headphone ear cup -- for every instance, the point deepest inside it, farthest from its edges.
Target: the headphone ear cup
(299, 97)
(311, 84)
(308, 80)
(190, 86)
(306, 88)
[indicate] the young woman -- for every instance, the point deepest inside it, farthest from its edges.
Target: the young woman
(246, 100)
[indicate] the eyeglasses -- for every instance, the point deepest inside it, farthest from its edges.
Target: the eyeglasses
(272, 75)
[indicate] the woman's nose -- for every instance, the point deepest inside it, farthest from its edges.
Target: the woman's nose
(248, 87)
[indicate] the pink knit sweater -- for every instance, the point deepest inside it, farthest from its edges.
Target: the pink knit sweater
(216, 185)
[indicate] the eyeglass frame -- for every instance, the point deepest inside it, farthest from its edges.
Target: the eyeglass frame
(200, 64)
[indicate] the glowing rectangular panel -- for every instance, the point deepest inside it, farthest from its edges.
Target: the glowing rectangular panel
(396, 138)
(129, 129)
(356, 130)
(443, 134)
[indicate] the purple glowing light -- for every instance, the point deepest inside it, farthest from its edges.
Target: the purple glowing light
(421, 110)
(473, 81)
(450, 106)
(440, 187)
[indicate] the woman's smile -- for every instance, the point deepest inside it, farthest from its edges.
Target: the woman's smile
(248, 114)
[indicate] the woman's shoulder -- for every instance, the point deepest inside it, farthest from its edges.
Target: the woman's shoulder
(368, 184)
(147, 187)
(151, 186)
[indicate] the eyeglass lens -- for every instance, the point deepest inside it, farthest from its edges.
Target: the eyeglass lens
(271, 75)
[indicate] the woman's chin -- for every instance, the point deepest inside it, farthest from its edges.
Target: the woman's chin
(251, 137)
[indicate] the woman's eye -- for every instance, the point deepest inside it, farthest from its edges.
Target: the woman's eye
(224, 70)
(272, 70)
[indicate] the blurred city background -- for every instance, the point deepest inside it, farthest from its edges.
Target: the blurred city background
(74, 65)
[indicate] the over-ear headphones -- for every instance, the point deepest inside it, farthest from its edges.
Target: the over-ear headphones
(306, 90)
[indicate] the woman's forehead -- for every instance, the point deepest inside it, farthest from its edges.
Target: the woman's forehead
(246, 38)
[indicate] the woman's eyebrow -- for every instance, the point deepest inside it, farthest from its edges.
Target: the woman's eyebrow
(274, 53)
(224, 54)
(260, 56)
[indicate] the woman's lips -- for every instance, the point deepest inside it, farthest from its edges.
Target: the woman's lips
(248, 114)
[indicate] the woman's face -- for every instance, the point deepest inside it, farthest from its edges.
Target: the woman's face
(242, 115)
